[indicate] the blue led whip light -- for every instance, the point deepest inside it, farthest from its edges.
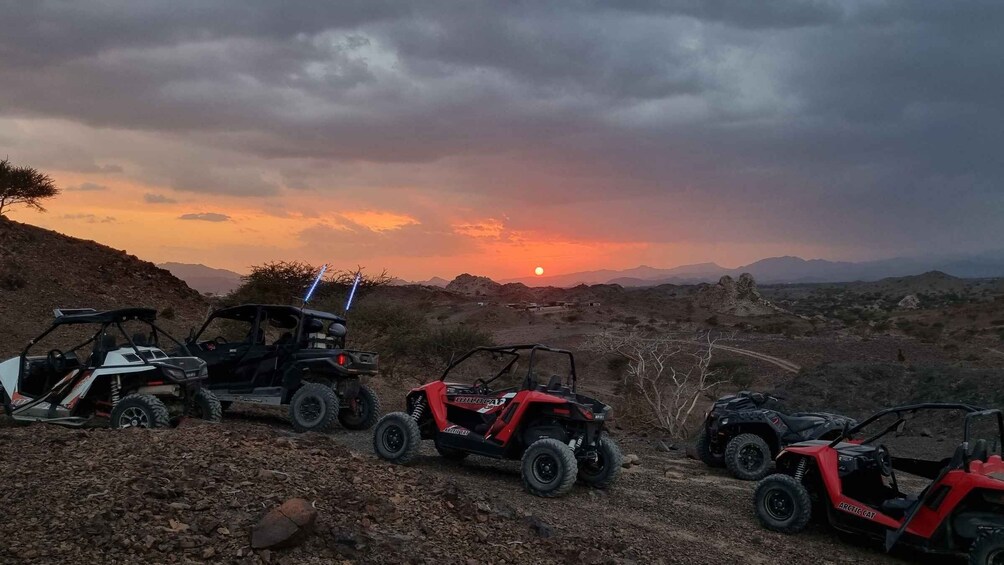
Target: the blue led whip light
(313, 287)
(352, 293)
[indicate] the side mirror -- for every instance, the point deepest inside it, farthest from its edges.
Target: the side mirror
(191, 335)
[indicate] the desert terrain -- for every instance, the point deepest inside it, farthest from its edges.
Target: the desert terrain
(191, 494)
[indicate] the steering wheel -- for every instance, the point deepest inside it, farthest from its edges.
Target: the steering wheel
(57, 361)
(481, 386)
(884, 459)
(220, 340)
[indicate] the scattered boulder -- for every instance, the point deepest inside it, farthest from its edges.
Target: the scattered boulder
(539, 527)
(285, 526)
(630, 460)
(909, 302)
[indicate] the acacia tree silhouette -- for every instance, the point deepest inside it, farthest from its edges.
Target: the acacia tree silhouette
(24, 185)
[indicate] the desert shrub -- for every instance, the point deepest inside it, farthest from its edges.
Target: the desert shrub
(571, 318)
(712, 321)
(167, 313)
(11, 279)
(735, 371)
(287, 282)
(662, 376)
(410, 348)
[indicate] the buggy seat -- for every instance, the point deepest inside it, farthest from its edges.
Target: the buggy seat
(800, 423)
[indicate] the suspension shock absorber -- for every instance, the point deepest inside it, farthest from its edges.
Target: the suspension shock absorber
(418, 409)
(803, 463)
(116, 386)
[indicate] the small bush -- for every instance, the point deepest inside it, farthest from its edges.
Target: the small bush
(167, 313)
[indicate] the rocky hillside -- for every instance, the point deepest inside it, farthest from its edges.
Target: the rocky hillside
(41, 270)
(738, 298)
(471, 285)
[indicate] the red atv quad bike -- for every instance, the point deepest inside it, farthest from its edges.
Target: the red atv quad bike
(852, 482)
(556, 433)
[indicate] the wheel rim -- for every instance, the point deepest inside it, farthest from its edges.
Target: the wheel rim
(750, 458)
(393, 439)
(134, 417)
(545, 468)
(996, 557)
(310, 410)
(779, 505)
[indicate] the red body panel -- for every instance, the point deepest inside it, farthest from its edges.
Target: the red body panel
(497, 403)
(927, 521)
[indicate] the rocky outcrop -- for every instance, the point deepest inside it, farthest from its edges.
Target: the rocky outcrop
(738, 298)
(909, 302)
(471, 285)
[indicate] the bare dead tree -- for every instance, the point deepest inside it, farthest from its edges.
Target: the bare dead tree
(669, 373)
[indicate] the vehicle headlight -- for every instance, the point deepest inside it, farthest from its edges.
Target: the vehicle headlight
(204, 371)
(724, 421)
(176, 374)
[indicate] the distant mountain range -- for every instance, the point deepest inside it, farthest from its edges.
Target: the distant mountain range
(204, 279)
(773, 270)
(785, 270)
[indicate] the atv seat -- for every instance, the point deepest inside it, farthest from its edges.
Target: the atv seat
(486, 425)
(898, 507)
(980, 451)
(800, 423)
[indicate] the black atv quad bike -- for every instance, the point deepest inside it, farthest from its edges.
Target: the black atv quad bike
(284, 355)
(743, 434)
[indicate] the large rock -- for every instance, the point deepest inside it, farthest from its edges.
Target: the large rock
(738, 298)
(909, 302)
(285, 526)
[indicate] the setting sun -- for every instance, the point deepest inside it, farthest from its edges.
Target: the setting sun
(538, 271)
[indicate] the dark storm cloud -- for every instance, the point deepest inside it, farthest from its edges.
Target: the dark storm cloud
(87, 187)
(831, 120)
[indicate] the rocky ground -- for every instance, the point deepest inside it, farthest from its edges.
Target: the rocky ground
(192, 494)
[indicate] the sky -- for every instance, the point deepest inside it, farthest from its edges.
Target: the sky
(439, 137)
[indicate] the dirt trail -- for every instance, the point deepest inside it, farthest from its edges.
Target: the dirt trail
(782, 363)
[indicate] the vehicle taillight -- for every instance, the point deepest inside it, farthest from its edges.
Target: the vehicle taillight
(342, 359)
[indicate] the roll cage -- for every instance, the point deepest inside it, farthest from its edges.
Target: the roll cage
(972, 412)
(513, 351)
(105, 320)
(285, 317)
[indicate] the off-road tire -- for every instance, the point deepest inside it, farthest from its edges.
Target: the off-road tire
(548, 468)
(608, 467)
(703, 448)
(988, 548)
(369, 411)
(140, 410)
(5, 402)
(397, 438)
(205, 406)
(450, 453)
(747, 456)
(782, 504)
(314, 408)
